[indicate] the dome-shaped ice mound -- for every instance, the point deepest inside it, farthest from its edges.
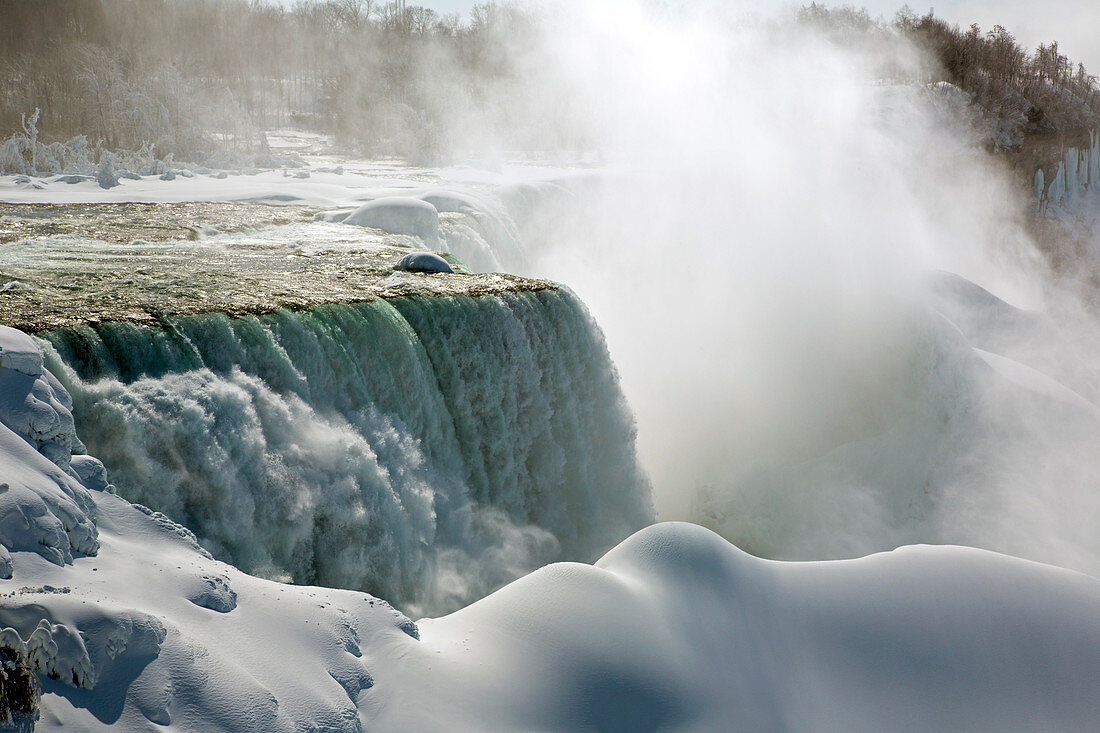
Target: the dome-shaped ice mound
(399, 215)
(423, 262)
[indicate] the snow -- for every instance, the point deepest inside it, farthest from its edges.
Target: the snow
(357, 183)
(151, 631)
(675, 629)
(19, 352)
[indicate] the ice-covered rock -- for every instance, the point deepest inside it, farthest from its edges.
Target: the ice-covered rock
(19, 352)
(423, 262)
(213, 592)
(43, 509)
(490, 241)
(106, 175)
(33, 403)
(399, 215)
(90, 471)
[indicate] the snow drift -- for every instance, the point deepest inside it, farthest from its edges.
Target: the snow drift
(674, 629)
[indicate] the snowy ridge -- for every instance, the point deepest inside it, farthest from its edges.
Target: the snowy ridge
(675, 629)
(43, 506)
(424, 449)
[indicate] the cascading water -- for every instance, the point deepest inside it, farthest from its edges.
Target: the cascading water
(425, 449)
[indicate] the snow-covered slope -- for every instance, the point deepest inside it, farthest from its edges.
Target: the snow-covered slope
(673, 630)
(44, 509)
(152, 630)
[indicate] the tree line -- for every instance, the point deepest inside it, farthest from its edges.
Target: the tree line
(192, 77)
(1045, 94)
(199, 79)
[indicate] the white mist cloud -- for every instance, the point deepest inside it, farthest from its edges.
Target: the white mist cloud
(759, 260)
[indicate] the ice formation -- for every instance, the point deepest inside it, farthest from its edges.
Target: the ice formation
(423, 262)
(1078, 172)
(399, 215)
(43, 507)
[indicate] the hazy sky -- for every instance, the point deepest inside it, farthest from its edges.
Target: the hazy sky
(1072, 23)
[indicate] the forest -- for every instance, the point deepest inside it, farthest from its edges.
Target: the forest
(200, 80)
(1041, 96)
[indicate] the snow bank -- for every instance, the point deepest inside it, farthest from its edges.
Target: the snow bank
(677, 630)
(674, 629)
(122, 641)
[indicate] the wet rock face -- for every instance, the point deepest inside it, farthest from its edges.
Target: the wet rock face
(19, 691)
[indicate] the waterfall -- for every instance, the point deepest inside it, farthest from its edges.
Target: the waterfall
(424, 449)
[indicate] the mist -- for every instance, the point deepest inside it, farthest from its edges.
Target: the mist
(766, 251)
